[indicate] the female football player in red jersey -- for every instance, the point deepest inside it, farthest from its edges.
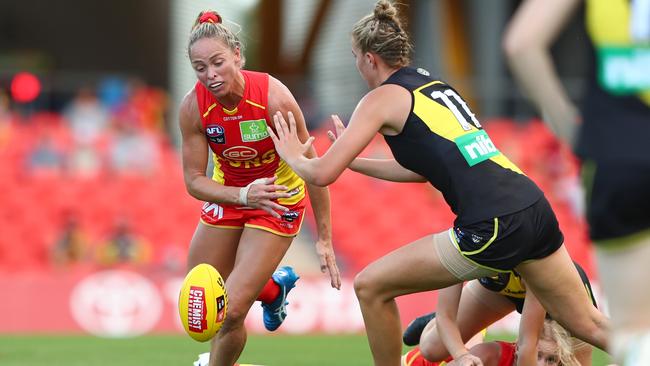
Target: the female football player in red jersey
(553, 349)
(503, 221)
(484, 301)
(254, 201)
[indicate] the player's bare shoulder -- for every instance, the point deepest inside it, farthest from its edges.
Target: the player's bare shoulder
(280, 97)
(189, 110)
(389, 105)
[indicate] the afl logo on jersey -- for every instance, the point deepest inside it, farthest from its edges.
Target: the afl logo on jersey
(216, 134)
(239, 153)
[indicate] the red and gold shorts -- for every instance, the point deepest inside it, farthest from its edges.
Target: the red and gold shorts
(238, 217)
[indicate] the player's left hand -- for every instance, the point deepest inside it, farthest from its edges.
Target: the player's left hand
(325, 252)
(339, 127)
(285, 138)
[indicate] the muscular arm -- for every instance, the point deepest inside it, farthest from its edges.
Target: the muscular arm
(195, 157)
(386, 169)
(446, 314)
(527, 43)
(281, 100)
(386, 106)
(530, 326)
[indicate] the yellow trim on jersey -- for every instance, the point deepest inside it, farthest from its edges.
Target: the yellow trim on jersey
(614, 245)
(506, 163)
(210, 108)
(443, 123)
(287, 177)
(453, 240)
(217, 173)
(220, 226)
(608, 21)
(591, 296)
(410, 362)
(494, 236)
(229, 112)
(255, 104)
(264, 228)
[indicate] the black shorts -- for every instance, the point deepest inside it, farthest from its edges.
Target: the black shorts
(618, 198)
(504, 242)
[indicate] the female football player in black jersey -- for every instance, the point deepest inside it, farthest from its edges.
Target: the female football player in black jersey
(611, 141)
(503, 220)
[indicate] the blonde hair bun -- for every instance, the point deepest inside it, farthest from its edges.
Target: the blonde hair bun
(384, 10)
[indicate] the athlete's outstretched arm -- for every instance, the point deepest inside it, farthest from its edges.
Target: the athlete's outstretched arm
(527, 43)
(385, 169)
(195, 162)
(281, 100)
(530, 326)
(386, 107)
(446, 321)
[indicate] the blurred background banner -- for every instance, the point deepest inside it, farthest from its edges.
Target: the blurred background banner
(94, 217)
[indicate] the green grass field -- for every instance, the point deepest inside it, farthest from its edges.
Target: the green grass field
(178, 350)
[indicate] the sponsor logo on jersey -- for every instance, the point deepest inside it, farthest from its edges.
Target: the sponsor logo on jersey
(217, 211)
(216, 134)
(624, 70)
(266, 158)
(476, 147)
(290, 216)
(239, 153)
(423, 71)
(254, 130)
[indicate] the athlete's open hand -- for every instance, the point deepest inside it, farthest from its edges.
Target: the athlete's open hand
(325, 252)
(262, 194)
(286, 139)
(339, 127)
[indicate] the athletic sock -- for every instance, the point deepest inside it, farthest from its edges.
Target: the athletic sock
(270, 292)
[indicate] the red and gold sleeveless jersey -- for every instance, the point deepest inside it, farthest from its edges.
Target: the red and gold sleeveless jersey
(242, 149)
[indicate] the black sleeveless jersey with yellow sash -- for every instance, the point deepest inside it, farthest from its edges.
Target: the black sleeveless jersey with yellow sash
(616, 109)
(444, 142)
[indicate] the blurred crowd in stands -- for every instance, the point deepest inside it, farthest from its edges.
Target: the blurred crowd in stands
(99, 184)
(80, 186)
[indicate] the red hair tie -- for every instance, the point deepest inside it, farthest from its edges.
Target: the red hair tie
(209, 17)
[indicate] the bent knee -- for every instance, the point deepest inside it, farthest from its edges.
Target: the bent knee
(433, 351)
(365, 287)
(362, 284)
(235, 315)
